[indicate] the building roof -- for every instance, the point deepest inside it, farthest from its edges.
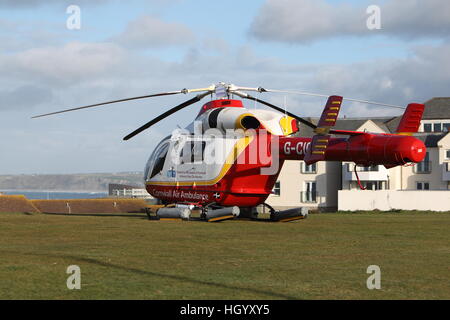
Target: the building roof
(437, 108)
(429, 139)
(304, 130)
(351, 124)
(392, 124)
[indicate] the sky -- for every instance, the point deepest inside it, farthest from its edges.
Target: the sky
(127, 48)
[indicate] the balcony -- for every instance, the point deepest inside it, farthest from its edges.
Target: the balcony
(446, 171)
(373, 173)
(423, 167)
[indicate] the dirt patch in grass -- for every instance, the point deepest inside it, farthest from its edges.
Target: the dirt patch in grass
(91, 206)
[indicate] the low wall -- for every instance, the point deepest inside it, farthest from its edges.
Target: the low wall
(385, 200)
(20, 203)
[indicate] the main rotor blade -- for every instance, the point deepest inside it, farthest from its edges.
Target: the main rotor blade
(324, 95)
(166, 114)
(110, 102)
(305, 122)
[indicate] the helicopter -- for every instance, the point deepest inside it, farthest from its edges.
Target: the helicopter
(227, 161)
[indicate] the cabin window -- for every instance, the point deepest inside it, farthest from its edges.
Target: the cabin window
(193, 152)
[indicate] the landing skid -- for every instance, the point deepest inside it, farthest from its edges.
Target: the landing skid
(214, 213)
(275, 215)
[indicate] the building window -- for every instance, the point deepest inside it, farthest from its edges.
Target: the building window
(446, 127)
(447, 153)
(310, 193)
(277, 189)
(350, 168)
(373, 185)
(423, 186)
(370, 168)
(424, 166)
(437, 127)
(312, 168)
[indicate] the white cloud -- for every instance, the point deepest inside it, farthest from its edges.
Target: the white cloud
(422, 76)
(62, 64)
(309, 20)
(151, 32)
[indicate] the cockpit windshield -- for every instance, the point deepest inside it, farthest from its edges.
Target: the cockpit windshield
(156, 161)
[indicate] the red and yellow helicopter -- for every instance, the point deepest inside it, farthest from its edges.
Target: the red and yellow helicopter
(227, 161)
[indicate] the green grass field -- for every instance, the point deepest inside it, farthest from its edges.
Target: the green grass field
(129, 257)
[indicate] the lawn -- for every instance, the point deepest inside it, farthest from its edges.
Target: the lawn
(129, 257)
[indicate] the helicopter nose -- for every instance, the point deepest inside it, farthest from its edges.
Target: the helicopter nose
(410, 149)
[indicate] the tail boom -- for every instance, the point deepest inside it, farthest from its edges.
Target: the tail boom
(364, 149)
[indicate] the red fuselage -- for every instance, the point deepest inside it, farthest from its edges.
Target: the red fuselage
(243, 185)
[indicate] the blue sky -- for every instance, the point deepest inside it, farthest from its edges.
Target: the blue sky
(128, 48)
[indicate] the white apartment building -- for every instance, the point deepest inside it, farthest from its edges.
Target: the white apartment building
(328, 186)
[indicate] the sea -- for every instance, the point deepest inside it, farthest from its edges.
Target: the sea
(55, 195)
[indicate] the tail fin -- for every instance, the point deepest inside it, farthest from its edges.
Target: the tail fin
(410, 121)
(328, 119)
